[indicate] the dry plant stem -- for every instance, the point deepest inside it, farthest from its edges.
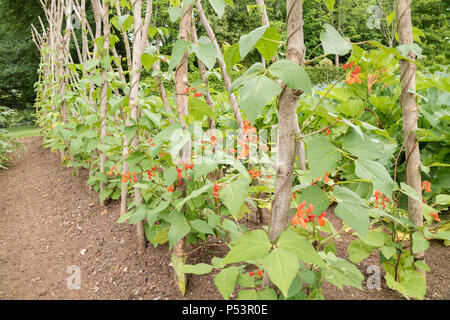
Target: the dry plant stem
(181, 82)
(223, 68)
(410, 110)
(287, 127)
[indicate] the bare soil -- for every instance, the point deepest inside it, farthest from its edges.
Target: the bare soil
(49, 221)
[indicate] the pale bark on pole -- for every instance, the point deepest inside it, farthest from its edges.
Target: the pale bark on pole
(139, 41)
(84, 40)
(300, 144)
(125, 39)
(410, 113)
(223, 68)
(287, 127)
(287, 123)
(98, 22)
(181, 82)
(98, 32)
(124, 187)
(202, 68)
(265, 20)
(104, 88)
(80, 11)
(134, 90)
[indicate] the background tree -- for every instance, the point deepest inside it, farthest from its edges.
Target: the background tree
(19, 58)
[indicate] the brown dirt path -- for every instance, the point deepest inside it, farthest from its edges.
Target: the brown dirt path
(48, 216)
(49, 220)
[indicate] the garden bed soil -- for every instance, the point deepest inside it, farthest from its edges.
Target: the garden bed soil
(49, 221)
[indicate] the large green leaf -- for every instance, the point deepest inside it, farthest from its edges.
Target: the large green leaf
(105, 193)
(234, 195)
(388, 252)
(130, 132)
(122, 23)
(377, 173)
(200, 268)
(352, 209)
(374, 238)
(178, 229)
(251, 246)
(76, 145)
(333, 42)
(318, 198)
(282, 266)
(411, 284)
(153, 214)
(292, 74)
(193, 195)
(330, 4)
(256, 94)
(179, 49)
(299, 246)
(218, 6)
(232, 56)
(225, 281)
(248, 41)
(170, 175)
(139, 214)
(199, 108)
(404, 49)
(154, 117)
(202, 226)
(322, 156)
(204, 166)
(351, 108)
(419, 242)
(174, 13)
(443, 199)
(410, 192)
(265, 294)
(363, 147)
(251, 73)
(358, 251)
(341, 272)
(235, 164)
(205, 50)
(91, 64)
(268, 44)
(148, 60)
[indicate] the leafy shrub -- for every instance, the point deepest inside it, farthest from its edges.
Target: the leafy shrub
(323, 73)
(11, 117)
(8, 145)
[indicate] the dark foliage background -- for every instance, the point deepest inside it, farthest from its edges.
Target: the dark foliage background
(19, 58)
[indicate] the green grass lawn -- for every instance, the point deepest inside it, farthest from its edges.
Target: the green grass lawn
(24, 131)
